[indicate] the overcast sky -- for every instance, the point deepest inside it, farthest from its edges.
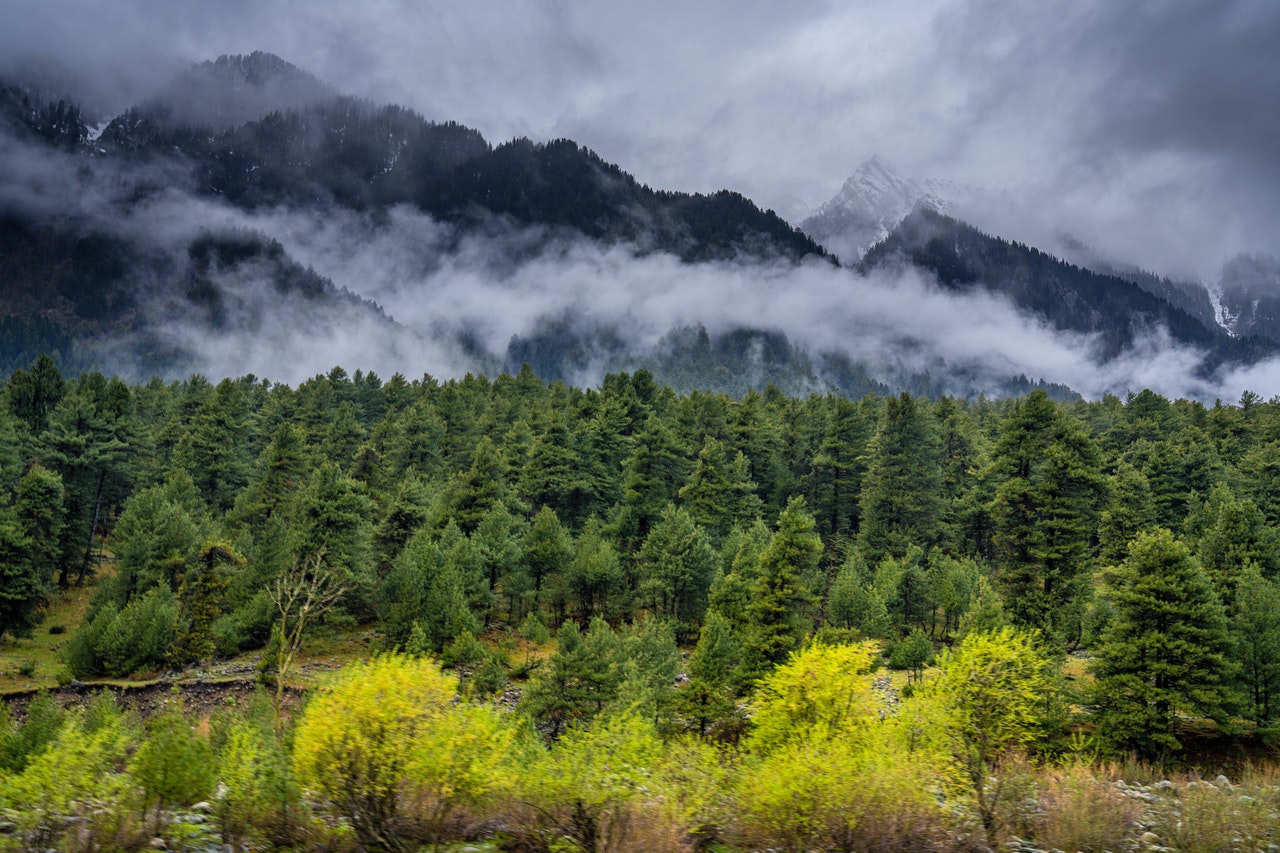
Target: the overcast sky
(1150, 129)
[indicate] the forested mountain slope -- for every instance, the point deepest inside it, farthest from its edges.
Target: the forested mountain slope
(1114, 309)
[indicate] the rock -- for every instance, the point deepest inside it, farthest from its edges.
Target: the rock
(157, 843)
(202, 806)
(1163, 784)
(1222, 781)
(1149, 838)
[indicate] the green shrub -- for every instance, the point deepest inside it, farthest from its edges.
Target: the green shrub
(174, 764)
(120, 642)
(21, 743)
(247, 627)
(73, 777)
(490, 676)
(465, 650)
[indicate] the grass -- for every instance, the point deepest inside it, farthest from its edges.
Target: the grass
(35, 662)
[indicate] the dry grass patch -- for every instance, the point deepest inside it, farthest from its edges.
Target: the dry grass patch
(1081, 811)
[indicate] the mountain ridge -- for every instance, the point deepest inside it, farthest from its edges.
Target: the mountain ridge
(1072, 298)
(166, 238)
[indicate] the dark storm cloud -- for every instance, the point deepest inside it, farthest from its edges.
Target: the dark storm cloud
(1200, 77)
(1150, 124)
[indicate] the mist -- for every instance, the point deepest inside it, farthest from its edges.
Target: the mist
(487, 287)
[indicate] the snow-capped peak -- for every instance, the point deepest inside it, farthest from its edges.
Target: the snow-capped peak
(872, 202)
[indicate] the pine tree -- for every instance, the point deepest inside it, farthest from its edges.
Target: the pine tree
(1236, 536)
(548, 548)
(838, 467)
(1164, 654)
(902, 492)
(334, 513)
(553, 476)
(782, 608)
(1049, 488)
(582, 677)
(200, 599)
(38, 508)
(33, 394)
(10, 449)
(706, 495)
(854, 603)
(595, 572)
(86, 449)
(400, 600)
(1129, 512)
(675, 567)
(654, 473)
(481, 487)
(1255, 631)
(23, 588)
(498, 541)
(213, 449)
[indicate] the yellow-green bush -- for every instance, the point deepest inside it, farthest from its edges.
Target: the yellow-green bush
(389, 748)
(76, 775)
(832, 793)
(820, 687)
(592, 784)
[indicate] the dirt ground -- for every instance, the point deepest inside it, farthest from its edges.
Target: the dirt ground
(200, 695)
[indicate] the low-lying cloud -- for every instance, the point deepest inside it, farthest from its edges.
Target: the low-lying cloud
(438, 284)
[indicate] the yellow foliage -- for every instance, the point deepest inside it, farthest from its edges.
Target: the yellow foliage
(696, 780)
(354, 741)
(592, 783)
(820, 688)
(835, 793)
(985, 706)
(459, 758)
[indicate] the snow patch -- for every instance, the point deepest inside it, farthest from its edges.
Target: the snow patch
(1221, 313)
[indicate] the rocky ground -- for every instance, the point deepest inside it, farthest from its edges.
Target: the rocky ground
(201, 691)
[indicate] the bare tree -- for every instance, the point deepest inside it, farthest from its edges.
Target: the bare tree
(301, 595)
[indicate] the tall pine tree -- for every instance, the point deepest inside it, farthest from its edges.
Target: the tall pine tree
(1164, 654)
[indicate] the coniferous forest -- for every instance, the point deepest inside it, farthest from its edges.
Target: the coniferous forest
(621, 618)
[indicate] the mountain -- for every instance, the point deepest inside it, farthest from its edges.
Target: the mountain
(877, 198)
(1190, 296)
(111, 233)
(246, 218)
(102, 302)
(1247, 297)
(872, 202)
(1115, 311)
(359, 156)
(234, 89)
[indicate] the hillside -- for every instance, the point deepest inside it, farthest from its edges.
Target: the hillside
(1114, 310)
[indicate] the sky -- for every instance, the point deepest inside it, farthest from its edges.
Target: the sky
(1147, 128)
